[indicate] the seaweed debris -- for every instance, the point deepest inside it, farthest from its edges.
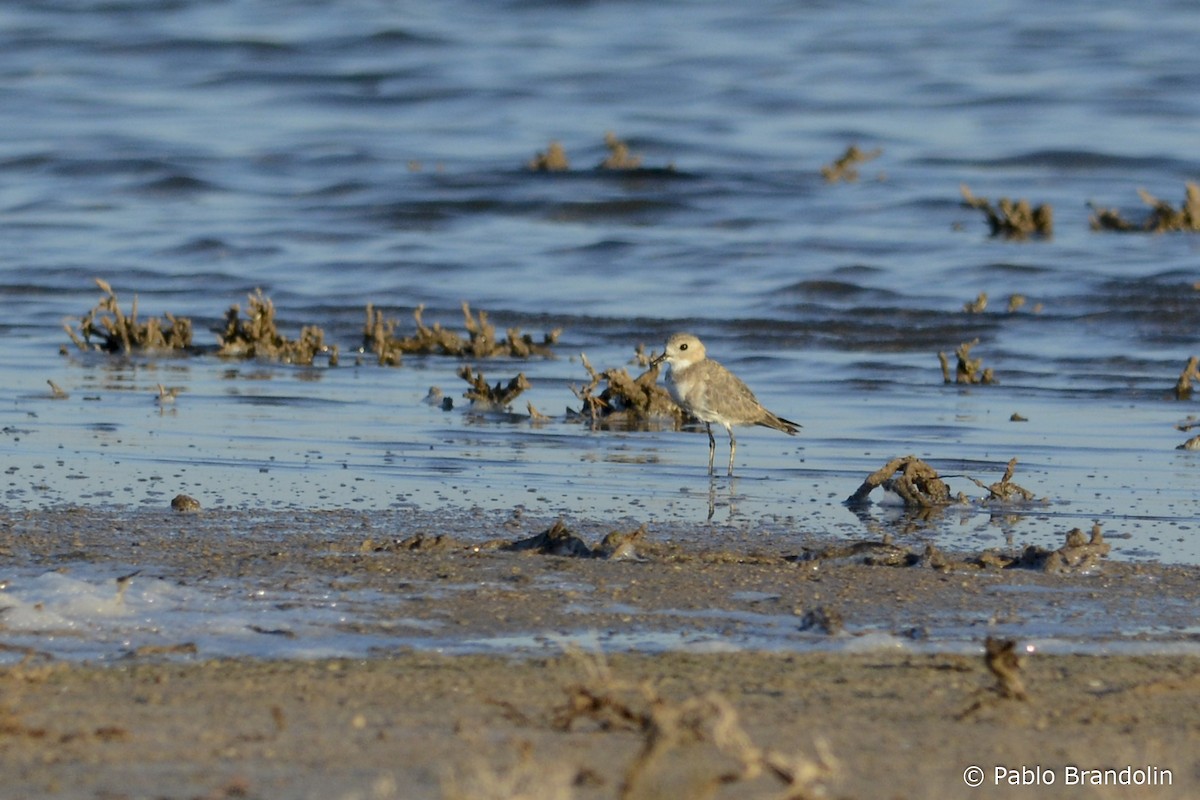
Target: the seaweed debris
(559, 540)
(1183, 386)
(114, 331)
(920, 487)
(1011, 220)
(666, 725)
(626, 402)
(619, 156)
(845, 168)
(978, 305)
(1163, 217)
(480, 341)
(1079, 553)
(258, 336)
(968, 370)
(553, 160)
(1004, 489)
(1005, 663)
(916, 482)
(491, 398)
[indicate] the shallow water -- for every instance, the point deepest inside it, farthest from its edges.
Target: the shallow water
(340, 154)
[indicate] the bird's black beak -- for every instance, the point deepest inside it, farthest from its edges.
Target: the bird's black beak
(658, 359)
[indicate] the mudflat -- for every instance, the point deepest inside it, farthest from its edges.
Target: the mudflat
(852, 670)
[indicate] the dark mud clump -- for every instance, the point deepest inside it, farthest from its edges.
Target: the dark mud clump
(492, 398)
(968, 370)
(379, 337)
(106, 328)
(559, 540)
(1018, 220)
(258, 336)
(1163, 217)
(626, 402)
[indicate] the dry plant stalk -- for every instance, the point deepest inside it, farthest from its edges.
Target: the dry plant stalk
(117, 332)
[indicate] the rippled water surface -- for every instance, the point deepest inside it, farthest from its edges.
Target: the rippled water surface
(337, 154)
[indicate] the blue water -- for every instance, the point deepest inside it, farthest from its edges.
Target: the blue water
(337, 154)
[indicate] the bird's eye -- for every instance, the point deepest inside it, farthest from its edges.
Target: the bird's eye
(683, 346)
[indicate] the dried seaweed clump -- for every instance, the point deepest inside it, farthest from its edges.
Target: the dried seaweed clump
(916, 482)
(619, 157)
(492, 398)
(1004, 490)
(1163, 217)
(666, 725)
(257, 336)
(553, 160)
(1080, 553)
(379, 338)
(1011, 220)
(1183, 386)
(108, 329)
(845, 168)
(968, 370)
(626, 402)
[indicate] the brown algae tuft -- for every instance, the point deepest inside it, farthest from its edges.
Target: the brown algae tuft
(106, 328)
(1163, 217)
(553, 160)
(968, 370)
(1018, 220)
(1191, 372)
(845, 167)
(1004, 490)
(667, 725)
(379, 337)
(491, 398)
(916, 482)
(625, 402)
(258, 336)
(619, 156)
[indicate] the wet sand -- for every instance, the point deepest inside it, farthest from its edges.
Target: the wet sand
(857, 701)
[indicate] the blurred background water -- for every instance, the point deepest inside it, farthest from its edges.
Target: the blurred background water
(336, 154)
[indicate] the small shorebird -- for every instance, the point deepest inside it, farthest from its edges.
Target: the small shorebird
(711, 393)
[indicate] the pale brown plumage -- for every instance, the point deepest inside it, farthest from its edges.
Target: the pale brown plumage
(711, 393)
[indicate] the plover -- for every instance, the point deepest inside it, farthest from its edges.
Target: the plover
(711, 393)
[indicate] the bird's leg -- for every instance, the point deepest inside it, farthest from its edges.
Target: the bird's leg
(712, 446)
(732, 449)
